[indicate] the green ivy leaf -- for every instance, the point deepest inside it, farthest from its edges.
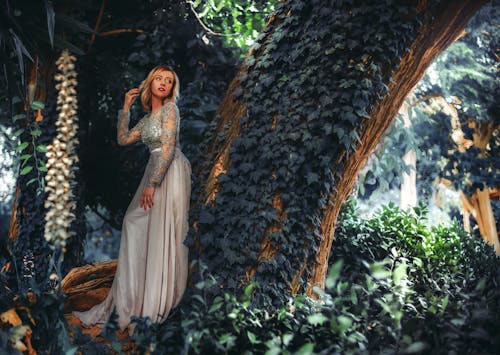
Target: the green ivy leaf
(344, 322)
(41, 148)
(306, 349)
(215, 307)
(287, 338)
(378, 271)
(253, 338)
(19, 116)
(26, 170)
(18, 132)
(36, 132)
(37, 105)
(481, 284)
(22, 146)
(399, 273)
(316, 319)
(334, 274)
(415, 348)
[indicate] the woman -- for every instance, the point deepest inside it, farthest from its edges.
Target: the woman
(152, 268)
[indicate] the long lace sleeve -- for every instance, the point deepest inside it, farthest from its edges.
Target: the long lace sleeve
(124, 135)
(163, 158)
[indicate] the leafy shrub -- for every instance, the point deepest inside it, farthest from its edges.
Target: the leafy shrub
(394, 286)
(446, 280)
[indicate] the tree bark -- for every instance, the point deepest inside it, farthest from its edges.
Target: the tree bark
(434, 36)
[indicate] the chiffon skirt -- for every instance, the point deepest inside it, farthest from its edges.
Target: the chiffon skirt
(152, 268)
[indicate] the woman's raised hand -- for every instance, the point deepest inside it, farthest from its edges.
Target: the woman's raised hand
(130, 97)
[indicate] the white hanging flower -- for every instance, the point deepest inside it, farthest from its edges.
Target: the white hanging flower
(61, 157)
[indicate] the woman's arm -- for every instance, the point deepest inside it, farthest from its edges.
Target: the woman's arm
(169, 126)
(124, 135)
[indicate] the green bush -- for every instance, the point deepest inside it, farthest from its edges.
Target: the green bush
(394, 285)
(442, 279)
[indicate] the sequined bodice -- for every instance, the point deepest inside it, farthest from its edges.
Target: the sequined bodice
(160, 132)
(151, 129)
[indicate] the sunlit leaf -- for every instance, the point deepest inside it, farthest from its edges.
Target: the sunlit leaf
(22, 146)
(37, 105)
(316, 319)
(26, 170)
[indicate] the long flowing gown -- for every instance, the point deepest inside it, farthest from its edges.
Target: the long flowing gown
(152, 268)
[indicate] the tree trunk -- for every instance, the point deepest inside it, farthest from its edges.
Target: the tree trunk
(476, 203)
(479, 205)
(286, 243)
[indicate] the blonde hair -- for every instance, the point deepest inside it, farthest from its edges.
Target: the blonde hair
(145, 87)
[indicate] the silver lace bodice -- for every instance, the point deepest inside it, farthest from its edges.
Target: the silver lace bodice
(160, 132)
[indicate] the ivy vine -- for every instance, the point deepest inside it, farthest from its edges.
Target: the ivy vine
(38, 164)
(320, 67)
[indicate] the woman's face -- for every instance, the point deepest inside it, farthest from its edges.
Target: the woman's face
(162, 84)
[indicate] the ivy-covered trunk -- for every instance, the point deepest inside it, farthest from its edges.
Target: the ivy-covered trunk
(309, 104)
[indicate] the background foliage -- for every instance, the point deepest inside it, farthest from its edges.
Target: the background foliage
(237, 22)
(466, 75)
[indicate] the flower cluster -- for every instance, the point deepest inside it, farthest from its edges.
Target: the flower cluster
(61, 156)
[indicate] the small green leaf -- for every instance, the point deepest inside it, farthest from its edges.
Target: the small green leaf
(415, 347)
(18, 132)
(41, 148)
(306, 349)
(253, 339)
(19, 116)
(418, 262)
(22, 146)
(354, 297)
(31, 181)
(117, 346)
(444, 302)
(36, 132)
(249, 288)
(399, 273)
(481, 284)
(334, 273)
(384, 305)
(37, 105)
(380, 273)
(287, 338)
(215, 307)
(232, 315)
(26, 170)
(73, 350)
(344, 322)
(316, 319)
